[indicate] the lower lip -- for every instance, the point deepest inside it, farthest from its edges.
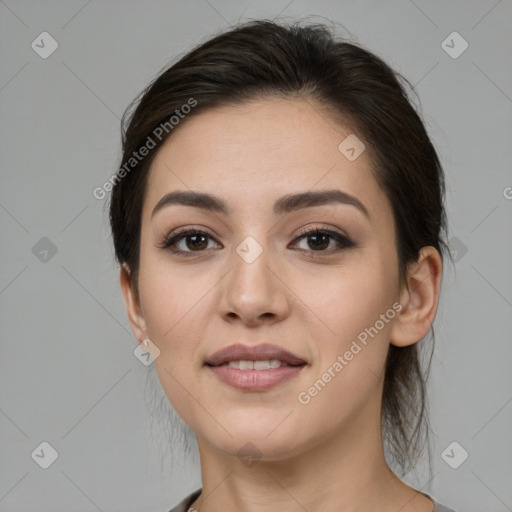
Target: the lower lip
(255, 380)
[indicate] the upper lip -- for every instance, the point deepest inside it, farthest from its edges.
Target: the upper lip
(262, 352)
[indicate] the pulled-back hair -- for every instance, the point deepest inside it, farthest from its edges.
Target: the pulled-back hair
(264, 59)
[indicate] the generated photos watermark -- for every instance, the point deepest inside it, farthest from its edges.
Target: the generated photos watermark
(304, 397)
(150, 143)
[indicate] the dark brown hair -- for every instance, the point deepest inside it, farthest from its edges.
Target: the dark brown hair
(264, 59)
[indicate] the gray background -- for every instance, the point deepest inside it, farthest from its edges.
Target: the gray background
(68, 375)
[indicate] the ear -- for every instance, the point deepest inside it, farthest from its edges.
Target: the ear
(133, 308)
(419, 298)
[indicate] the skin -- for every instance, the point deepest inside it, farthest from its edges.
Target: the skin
(326, 455)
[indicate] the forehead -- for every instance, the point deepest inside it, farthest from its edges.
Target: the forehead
(254, 153)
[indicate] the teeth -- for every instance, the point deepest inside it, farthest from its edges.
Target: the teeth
(256, 365)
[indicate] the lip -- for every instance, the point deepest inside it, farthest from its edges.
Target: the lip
(262, 352)
(254, 380)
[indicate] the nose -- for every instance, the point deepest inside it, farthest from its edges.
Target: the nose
(254, 292)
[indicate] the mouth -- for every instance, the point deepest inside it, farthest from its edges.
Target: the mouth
(263, 355)
(257, 368)
(267, 364)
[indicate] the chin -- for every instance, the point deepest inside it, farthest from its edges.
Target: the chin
(265, 440)
(250, 450)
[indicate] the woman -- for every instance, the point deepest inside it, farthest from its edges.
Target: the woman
(279, 221)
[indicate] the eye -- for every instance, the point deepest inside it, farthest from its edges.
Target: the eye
(321, 240)
(194, 239)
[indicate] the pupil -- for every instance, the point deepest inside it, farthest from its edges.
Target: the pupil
(324, 236)
(194, 244)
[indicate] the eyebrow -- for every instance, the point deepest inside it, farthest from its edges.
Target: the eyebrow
(285, 204)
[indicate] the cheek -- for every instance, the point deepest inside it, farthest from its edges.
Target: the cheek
(168, 293)
(174, 315)
(175, 311)
(349, 373)
(344, 301)
(349, 321)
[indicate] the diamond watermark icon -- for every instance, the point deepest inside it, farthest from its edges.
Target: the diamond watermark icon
(454, 455)
(44, 250)
(454, 45)
(146, 352)
(249, 454)
(457, 248)
(44, 45)
(351, 147)
(249, 250)
(45, 455)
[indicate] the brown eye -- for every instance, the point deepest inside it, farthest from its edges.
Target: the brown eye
(318, 240)
(187, 242)
(196, 241)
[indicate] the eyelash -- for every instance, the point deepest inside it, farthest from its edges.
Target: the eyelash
(343, 240)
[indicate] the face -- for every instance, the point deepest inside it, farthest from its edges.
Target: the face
(254, 275)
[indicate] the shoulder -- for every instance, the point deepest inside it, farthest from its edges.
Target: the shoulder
(183, 505)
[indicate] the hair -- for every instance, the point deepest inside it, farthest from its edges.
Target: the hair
(261, 60)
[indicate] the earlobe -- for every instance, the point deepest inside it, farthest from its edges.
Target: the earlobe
(132, 304)
(419, 298)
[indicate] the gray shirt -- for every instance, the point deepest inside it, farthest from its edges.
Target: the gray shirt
(185, 504)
